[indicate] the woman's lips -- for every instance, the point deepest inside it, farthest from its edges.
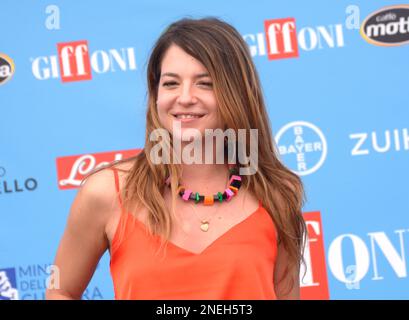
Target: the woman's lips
(188, 119)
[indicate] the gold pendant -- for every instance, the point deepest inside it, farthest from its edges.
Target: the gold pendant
(204, 226)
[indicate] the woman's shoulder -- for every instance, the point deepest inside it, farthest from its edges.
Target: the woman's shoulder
(99, 190)
(100, 187)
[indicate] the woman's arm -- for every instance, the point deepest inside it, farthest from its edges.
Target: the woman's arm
(84, 240)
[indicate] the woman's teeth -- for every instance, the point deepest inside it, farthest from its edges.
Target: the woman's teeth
(187, 116)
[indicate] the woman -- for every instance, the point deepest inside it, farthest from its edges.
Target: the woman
(181, 230)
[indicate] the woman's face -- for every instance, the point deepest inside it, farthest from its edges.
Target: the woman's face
(185, 94)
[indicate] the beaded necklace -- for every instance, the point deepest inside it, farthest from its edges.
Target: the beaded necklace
(208, 200)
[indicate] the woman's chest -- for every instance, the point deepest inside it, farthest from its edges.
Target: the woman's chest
(196, 226)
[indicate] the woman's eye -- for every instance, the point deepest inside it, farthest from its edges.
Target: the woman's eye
(209, 84)
(172, 83)
(169, 83)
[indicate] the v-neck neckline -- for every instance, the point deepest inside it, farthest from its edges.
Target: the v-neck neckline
(214, 242)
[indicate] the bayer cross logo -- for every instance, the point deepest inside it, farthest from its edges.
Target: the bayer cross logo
(302, 147)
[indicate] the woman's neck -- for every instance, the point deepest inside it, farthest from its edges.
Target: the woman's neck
(206, 178)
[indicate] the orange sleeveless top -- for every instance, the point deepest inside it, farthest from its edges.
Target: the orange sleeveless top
(239, 265)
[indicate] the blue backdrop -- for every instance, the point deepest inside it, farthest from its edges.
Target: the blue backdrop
(338, 105)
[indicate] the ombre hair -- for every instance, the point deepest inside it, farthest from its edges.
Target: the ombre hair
(225, 55)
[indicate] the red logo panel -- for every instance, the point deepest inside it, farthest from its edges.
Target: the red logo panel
(281, 36)
(314, 285)
(74, 61)
(72, 169)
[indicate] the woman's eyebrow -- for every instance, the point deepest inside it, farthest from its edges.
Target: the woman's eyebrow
(175, 75)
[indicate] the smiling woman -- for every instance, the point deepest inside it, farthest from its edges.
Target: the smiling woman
(185, 93)
(192, 230)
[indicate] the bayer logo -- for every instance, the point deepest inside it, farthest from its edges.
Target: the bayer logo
(302, 147)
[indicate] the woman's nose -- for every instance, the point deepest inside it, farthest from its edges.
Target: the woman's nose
(186, 95)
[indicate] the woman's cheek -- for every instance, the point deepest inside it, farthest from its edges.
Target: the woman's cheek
(163, 115)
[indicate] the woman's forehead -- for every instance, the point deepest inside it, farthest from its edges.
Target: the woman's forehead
(176, 62)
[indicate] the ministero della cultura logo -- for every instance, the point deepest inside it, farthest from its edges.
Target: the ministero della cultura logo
(302, 146)
(8, 285)
(388, 26)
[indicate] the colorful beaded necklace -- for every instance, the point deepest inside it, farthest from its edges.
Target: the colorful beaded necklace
(208, 200)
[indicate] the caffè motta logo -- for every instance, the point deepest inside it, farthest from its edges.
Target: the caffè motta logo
(388, 26)
(6, 68)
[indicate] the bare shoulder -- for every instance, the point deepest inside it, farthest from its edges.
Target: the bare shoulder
(99, 194)
(100, 186)
(98, 189)
(104, 192)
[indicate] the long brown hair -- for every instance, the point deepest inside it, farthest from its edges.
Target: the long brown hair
(225, 55)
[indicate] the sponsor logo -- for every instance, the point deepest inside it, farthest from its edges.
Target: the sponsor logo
(8, 284)
(29, 282)
(313, 276)
(389, 140)
(71, 170)
(388, 26)
(379, 242)
(16, 185)
(281, 39)
(350, 258)
(75, 62)
(302, 146)
(6, 68)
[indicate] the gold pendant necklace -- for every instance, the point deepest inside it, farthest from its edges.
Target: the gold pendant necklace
(204, 225)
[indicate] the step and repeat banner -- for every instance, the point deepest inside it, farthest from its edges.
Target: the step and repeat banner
(335, 79)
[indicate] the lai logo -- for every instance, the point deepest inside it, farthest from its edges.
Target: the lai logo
(71, 170)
